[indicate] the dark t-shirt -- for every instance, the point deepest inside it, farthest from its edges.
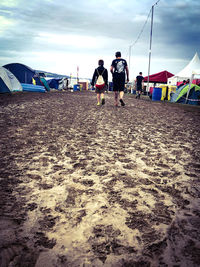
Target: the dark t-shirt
(119, 65)
(139, 80)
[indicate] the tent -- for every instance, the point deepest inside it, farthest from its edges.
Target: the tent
(54, 83)
(45, 83)
(160, 77)
(187, 94)
(186, 72)
(23, 73)
(8, 82)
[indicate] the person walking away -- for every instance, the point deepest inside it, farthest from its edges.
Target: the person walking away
(139, 84)
(119, 70)
(100, 80)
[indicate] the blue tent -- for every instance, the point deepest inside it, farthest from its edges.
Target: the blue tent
(54, 83)
(22, 72)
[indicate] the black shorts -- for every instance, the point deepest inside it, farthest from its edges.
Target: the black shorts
(101, 91)
(118, 83)
(139, 87)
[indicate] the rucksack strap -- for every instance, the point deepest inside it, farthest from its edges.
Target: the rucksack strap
(101, 73)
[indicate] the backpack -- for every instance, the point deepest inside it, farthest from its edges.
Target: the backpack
(100, 81)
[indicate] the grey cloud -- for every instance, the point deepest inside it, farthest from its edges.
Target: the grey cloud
(176, 30)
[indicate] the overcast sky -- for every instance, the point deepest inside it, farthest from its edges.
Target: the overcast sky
(57, 36)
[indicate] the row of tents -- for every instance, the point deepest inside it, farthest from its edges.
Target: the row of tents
(19, 77)
(186, 93)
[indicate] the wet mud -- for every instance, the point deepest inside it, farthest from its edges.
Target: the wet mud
(83, 185)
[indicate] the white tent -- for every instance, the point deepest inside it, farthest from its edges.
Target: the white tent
(186, 72)
(8, 81)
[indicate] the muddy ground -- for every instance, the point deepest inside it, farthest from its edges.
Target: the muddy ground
(83, 185)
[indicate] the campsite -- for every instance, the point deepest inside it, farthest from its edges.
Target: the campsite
(83, 185)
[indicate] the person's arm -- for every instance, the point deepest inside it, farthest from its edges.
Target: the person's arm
(106, 77)
(111, 69)
(127, 73)
(93, 78)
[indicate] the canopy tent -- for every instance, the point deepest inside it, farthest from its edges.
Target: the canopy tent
(8, 82)
(186, 72)
(160, 77)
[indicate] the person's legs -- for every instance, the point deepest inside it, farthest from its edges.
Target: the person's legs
(102, 99)
(98, 99)
(116, 98)
(139, 90)
(121, 94)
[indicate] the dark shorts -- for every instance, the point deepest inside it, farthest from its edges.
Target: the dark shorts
(118, 84)
(139, 87)
(100, 91)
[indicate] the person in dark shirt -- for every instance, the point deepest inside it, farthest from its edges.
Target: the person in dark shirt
(118, 69)
(100, 91)
(139, 84)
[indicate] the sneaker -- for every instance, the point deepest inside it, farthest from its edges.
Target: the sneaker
(122, 102)
(103, 101)
(98, 104)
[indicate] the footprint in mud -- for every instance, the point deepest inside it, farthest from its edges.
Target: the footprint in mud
(101, 172)
(138, 220)
(129, 181)
(125, 204)
(45, 186)
(44, 161)
(87, 182)
(104, 242)
(58, 167)
(32, 206)
(74, 195)
(162, 213)
(150, 237)
(47, 222)
(79, 165)
(42, 240)
(145, 181)
(156, 249)
(34, 177)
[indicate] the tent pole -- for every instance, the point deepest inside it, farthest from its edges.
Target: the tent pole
(129, 60)
(151, 33)
(188, 92)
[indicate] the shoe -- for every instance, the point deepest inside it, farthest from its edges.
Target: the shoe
(98, 104)
(103, 101)
(122, 102)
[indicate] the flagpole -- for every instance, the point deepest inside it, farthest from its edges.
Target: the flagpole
(151, 33)
(129, 60)
(77, 74)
